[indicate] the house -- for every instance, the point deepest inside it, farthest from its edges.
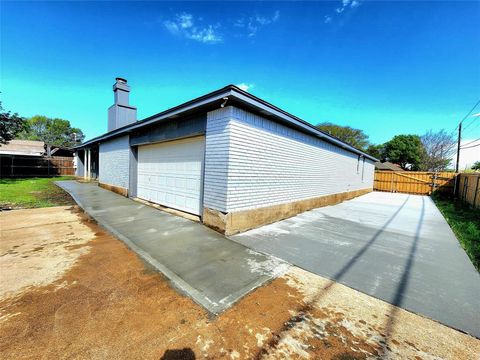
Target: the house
(233, 159)
(33, 148)
(23, 147)
(20, 158)
(387, 166)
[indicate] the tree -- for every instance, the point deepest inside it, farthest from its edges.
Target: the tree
(57, 132)
(377, 151)
(355, 137)
(476, 165)
(405, 150)
(439, 149)
(10, 125)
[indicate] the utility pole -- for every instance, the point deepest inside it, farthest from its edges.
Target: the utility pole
(458, 145)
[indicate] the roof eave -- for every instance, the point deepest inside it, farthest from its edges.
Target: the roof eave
(277, 112)
(173, 112)
(230, 90)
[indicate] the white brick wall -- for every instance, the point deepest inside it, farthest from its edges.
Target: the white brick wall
(256, 162)
(216, 159)
(114, 162)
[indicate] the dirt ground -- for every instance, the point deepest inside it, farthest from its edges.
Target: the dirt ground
(70, 290)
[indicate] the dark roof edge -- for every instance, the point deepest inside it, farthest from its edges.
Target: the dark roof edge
(299, 122)
(230, 90)
(202, 100)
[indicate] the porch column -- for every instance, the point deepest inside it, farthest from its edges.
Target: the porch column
(85, 164)
(88, 164)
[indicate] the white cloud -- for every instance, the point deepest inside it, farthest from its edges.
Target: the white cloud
(346, 4)
(245, 86)
(171, 26)
(206, 35)
(328, 19)
(186, 20)
(185, 25)
(253, 23)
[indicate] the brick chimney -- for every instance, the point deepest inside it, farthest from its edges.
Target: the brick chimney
(121, 113)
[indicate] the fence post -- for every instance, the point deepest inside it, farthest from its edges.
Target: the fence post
(476, 192)
(465, 189)
(455, 185)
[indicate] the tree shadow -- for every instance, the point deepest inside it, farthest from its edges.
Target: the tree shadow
(178, 354)
(402, 286)
(302, 312)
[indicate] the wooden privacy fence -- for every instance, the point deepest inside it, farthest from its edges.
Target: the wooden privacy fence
(414, 182)
(469, 189)
(35, 166)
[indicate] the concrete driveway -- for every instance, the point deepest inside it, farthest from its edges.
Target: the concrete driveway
(395, 247)
(70, 290)
(214, 271)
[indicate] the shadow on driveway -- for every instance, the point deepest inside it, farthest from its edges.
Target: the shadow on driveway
(395, 247)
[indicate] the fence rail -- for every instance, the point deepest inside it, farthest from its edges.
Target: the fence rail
(35, 166)
(414, 182)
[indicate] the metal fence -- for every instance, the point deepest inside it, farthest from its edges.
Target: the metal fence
(35, 166)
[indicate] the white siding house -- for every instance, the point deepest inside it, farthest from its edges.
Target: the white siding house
(231, 158)
(254, 162)
(114, 162)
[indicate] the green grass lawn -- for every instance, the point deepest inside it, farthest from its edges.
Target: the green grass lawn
(465, 223)
(33, 193)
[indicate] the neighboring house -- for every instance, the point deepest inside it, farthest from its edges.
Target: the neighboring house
(33, 148)
(387, 166)
(23, 147)
(21, 158)
(229, 157)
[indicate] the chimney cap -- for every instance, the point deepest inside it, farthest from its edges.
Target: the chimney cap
(120, 79)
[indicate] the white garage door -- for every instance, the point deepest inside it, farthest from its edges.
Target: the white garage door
(171, 173)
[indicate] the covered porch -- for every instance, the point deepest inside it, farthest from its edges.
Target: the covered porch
(87, 163)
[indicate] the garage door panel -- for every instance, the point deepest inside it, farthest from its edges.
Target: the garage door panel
(171, 173)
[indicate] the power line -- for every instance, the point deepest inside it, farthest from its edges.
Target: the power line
(469, 147)
(466, 116)
(473, 122)
(460, 137)
(471, 142)
(453, 131)
(474, 106)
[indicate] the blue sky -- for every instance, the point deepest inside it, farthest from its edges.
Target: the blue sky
(385, 67)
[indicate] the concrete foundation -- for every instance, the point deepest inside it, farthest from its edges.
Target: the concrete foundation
(116, 189)
(239, 221)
